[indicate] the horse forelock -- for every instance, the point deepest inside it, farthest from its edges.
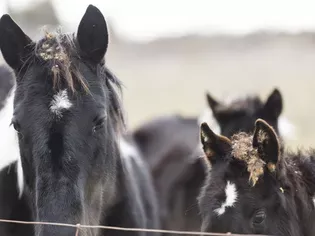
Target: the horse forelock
(242, 149)
(57, 52)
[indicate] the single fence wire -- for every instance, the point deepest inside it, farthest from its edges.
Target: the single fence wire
(79, 226)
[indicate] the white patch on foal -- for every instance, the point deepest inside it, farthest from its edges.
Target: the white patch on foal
(231, 198)
(207, 116)
(60, 102)
(129, 151)
(8, 140)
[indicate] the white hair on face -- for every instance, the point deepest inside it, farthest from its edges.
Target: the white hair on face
(8, 140)
(230, 200)
(60, 102)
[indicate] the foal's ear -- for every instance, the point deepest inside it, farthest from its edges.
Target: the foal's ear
(92, 35)
(214, 146)
(266, 141)
(213, 103)
(13, 42)
(273, 106)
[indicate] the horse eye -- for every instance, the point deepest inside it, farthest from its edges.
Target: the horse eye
(15, 124)
(99, 123)
(259, 218)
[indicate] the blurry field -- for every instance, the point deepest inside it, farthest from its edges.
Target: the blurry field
(172, 75)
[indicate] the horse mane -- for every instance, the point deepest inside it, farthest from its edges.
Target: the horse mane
(115, 104)
(60, 53)
(296, 169)
(295, 178)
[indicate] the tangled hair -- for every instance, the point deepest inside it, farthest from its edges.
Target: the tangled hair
(242, 149)
(57, 51)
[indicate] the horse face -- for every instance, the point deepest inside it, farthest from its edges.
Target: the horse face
(64, 118)
(242, 193)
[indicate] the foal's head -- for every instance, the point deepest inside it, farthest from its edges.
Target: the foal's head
(66, 114)
(240, 114)
(252, 188)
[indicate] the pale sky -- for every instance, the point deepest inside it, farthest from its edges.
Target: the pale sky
(147, 19)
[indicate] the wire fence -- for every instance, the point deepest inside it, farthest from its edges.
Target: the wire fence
(79, 226)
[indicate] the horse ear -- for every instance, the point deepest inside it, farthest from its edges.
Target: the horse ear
(273, 106)
(214, 146)
(213, 103)
(92, 35)
(13, 42)
(266, 141)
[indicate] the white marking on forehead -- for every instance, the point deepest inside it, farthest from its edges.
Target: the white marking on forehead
(60, 102)
(231, 197)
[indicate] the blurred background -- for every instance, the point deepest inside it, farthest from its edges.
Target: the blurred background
(168, 53)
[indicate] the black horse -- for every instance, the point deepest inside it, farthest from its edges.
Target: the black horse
(254, 187)
(73, 166)
(171, 145)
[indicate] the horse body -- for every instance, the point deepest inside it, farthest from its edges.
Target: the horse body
(72, 166)
(167, 143)
(171, 145)
(254, 187)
